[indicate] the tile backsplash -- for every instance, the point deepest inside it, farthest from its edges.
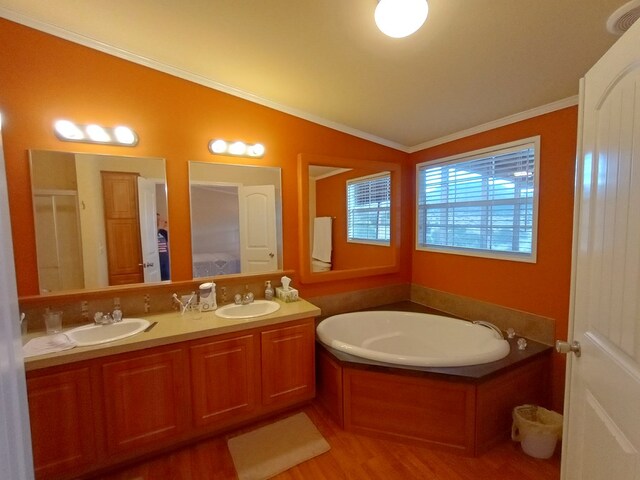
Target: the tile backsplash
(135, 300)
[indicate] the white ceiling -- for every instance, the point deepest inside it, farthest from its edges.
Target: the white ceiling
(473, 62)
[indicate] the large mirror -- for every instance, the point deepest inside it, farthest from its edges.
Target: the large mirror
(100, 220)
(236, 219)
(349, 217)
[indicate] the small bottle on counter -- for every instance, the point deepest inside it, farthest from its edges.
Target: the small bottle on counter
(268, 291)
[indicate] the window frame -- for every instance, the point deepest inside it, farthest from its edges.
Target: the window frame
(475, 155)
(381, 243)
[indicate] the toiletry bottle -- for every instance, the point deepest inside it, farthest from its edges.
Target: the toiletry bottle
(268, 291)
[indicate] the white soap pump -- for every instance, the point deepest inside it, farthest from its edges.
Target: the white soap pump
(268, 291)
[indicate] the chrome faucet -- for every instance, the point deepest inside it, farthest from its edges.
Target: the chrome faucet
(248, 296)
(491, 326)
(100, 318)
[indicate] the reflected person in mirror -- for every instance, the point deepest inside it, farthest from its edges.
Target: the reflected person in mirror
(163, 248)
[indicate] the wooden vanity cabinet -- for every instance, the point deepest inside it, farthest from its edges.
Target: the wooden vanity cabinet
(94, 414)
(224, 379)
(145, 398)
(288, 367)
(62, 407)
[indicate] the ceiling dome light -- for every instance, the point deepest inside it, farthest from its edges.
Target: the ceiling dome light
(401, 18)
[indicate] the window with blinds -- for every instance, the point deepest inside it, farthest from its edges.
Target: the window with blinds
(482, 203)
(368, 209)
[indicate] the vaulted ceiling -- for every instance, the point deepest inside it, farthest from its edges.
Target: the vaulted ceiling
(473, 62)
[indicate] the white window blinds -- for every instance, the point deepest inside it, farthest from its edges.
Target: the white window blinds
(368, 209)
(483, 203)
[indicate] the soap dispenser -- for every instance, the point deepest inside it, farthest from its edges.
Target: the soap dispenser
(268, 291)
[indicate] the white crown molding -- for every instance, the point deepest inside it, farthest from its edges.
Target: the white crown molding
(501, 122)
(192, 77)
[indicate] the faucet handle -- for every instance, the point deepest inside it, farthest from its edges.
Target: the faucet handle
(117, 315)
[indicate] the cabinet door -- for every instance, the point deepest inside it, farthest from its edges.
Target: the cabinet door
(224, 379)
(61, 414)
(145, 399)
(288, 373)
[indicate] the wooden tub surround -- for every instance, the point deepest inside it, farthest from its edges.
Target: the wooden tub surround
(461, 409)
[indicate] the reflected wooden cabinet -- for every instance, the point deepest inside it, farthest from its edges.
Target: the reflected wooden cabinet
(61, 409)
(122, 227)
(224, 379)
(288, 372)
(145, 398)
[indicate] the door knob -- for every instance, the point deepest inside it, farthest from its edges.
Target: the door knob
(566, 347)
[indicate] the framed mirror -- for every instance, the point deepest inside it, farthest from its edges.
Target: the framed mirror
(236, 219)
(100, 220)
(349, 217)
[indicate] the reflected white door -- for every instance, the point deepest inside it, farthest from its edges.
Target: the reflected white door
(148, 230)
(602, 407)
(258, 252)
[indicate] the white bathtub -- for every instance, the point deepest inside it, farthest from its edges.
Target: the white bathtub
(408, 338)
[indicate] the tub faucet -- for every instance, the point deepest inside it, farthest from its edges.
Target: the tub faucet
(489, 325)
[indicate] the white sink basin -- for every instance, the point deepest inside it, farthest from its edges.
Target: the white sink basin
(257, 308)
(96, 334)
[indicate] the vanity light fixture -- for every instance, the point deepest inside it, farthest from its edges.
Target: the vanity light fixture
(237, 148)
(400, 18)
(69, 131)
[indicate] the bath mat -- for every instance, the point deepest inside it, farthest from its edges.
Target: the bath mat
(274, 448)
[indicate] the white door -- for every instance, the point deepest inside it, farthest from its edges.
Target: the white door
(602, 406)
(258, 252)
(148, 230)
(15, 439)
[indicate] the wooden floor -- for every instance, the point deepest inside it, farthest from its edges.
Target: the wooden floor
(355, 457)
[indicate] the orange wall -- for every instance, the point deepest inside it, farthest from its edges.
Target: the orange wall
(43, 78)
(543, 287)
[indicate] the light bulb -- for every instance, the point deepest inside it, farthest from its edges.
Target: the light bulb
(256, 150)
(237, 148)
(125, 135)
(68, 130)
(401, 18)
(97, 133)
(218, 146)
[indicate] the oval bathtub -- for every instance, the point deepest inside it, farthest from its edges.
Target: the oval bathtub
(409, 338)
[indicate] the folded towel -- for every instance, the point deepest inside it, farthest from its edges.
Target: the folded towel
(47, 344)
(322, 239)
